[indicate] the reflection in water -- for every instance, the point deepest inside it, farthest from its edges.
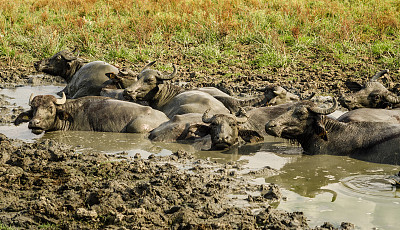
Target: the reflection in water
(325, 188)
(19, 132)
(106, 142)
(364, 196)
(20, 95)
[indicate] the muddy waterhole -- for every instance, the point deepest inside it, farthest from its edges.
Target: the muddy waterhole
(329, 188)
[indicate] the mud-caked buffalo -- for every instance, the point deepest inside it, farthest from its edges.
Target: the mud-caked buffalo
(83, 79)
(227, 130)
(371, 115)
(92, 113)
(172, 100)
(372, 95)
(318, 134)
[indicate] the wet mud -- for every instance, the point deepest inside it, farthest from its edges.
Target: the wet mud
(50, 184)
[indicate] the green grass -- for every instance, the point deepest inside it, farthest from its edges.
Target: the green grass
(274, 33)
(5, 227)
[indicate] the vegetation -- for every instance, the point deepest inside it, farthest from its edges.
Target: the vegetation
(272, 33)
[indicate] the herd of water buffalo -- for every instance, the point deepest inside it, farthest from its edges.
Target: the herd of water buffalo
(101, 97)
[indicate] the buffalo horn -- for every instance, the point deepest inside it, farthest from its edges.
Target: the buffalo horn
(392, 99)
(241, 120)
(30, 99)
(169, 76)
(206, 117)
(309, 97)
(62, 100)
(148, 66)
(379, 74)
(322, 111)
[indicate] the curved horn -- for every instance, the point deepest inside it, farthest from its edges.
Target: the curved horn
(30, 99)
(379, 74)
(169, 76)
(148, 66)
(392, 99)
(322, 111)
(62, 100)
(206, 118)
(309, 97)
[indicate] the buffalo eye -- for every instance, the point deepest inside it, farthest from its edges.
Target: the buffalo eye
(150, 79)
(301, 114)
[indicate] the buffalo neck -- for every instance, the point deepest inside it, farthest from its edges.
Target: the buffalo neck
(73, 114)
(164, 94)
(70, 72)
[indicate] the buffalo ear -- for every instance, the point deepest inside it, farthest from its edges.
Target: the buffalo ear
(195, 131)
(319, 128)
(111, 75)
(62, 115)
(23, 117)
(250, 136)
(353, 86)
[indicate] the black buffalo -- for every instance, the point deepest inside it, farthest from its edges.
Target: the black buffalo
(319, 134)
(83, 79)
(173, 100)
(372, 95)
(227, 130)
(92, 113)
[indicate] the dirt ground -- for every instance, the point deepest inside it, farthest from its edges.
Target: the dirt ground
(49, 185)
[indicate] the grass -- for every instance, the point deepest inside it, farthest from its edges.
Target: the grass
(5, 227)
(274, 33)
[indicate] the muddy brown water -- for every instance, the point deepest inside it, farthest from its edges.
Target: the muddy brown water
(328, 188)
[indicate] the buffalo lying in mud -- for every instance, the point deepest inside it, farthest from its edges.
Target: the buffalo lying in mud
(83, 79)
(227, 130)
(184, 127)
(319, 134)
(276, 95)
(173, 100)
(92, 113)
(372, 95)
(371, 115)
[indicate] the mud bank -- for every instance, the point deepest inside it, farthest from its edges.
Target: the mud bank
(50, 184)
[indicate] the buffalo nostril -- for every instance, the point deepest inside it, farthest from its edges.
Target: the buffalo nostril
(34, 122)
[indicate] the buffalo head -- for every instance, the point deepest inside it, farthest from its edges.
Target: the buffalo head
(225, 129)
(147, 82)
(372, 95)
(123, 79)
(276, 95)
(43, 113)
(300, 120)
(63, 64)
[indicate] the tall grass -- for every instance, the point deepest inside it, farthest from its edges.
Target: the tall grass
(275, 33)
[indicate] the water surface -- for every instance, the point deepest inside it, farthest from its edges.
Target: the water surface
(325, 188)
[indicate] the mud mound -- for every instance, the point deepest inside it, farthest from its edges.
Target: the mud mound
(49, 183)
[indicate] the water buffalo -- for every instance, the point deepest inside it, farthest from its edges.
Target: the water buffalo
(371, 115)
(372, 95)
(319, 134)
(184, 127)
(82, 79)
(172, 99)
(64, 64)
(276, 95)
(92, 113)
(227, 130)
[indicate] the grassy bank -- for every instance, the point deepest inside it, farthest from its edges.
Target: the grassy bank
(252, 34)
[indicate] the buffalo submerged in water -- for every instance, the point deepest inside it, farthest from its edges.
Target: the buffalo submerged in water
(92, 113)
(318, 134)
